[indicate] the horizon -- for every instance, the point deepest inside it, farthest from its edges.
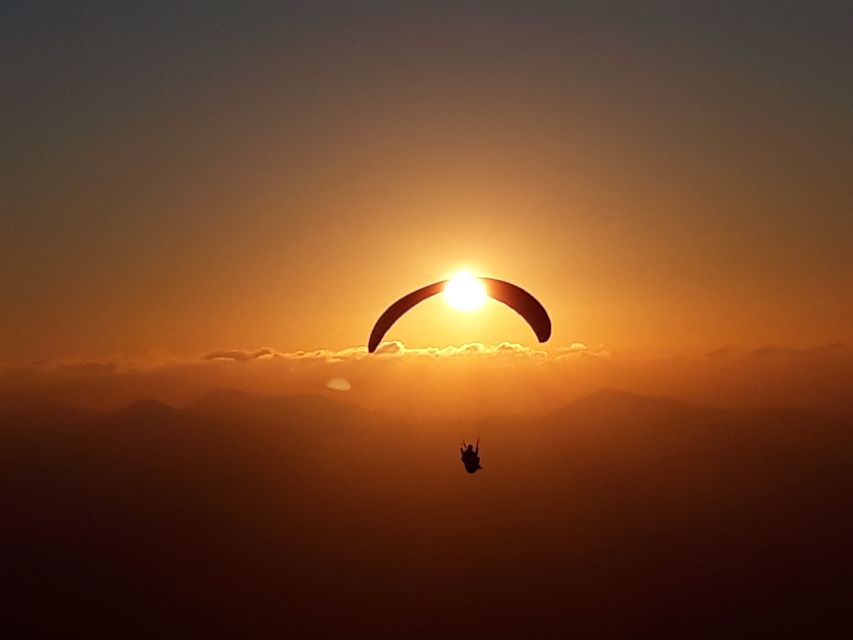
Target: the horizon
(234, 393)
(468, 380)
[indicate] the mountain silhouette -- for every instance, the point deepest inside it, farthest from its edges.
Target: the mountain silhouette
(147, 410)
(618, 515)
(308, 409)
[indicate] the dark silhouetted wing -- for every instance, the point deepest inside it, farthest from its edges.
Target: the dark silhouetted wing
(511, 295)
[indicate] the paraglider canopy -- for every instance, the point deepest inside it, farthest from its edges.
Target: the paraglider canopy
(511, 295)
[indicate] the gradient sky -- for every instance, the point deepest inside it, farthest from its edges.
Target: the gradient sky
(181, 177)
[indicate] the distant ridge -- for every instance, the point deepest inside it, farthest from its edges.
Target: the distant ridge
(302, 408)
(612, 404)
(148, 416)
(147, 407)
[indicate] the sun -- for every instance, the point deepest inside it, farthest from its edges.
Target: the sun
(465, 292)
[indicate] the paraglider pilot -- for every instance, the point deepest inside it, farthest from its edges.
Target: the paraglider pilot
(471, 456)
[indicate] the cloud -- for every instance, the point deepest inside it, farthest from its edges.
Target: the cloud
(238, 355)
(575, 347)
(819, 376)
(329, 356)
(339, 384)
(470, 349)
(580, 349)
(516, 349)
(390, 349)
(783, 351)
(396, 349)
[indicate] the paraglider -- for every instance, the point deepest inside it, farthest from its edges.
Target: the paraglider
(466, 292)
(511, 295)
(471, 456)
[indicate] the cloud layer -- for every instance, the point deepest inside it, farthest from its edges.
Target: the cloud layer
(503, 377)
(393, 348)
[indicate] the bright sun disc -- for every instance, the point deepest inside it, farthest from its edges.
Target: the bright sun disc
(465, 292)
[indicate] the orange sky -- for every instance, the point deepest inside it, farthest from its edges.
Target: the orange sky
(660, 195)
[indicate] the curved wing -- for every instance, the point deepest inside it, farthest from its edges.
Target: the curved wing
(397, 309)
(522, 303)
(511, 295)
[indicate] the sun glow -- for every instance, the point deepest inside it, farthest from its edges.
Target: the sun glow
(465, 292)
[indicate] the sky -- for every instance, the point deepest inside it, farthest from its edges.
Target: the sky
(670, 180)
